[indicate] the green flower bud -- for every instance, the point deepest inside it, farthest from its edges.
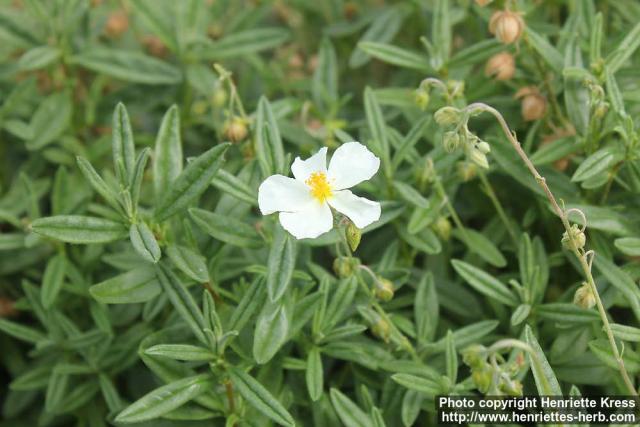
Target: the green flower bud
(584, 297)
(353, 236)
(451, 141)
(474, 356)
(442, 227)
(482, 378)
(484, 147)
(421, 98)
(447, 116)
(478, 157)
(578, 237)
(384, 289)
(601, 110)
(467, 171)
(345, 266)
(511, 387)
(381, 329)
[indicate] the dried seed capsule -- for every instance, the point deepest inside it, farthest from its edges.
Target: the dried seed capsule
(575, 240)
(117, 24)
(584, 296)
(501, 66)
(507, 26)
(235, 129)
(533, 104)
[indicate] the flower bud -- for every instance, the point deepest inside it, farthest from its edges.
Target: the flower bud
(384, 289)
(478, 157)
(466, 170)
(455, 88)
(584, 297)
(575, 240)
(511, 387)
(451, 141)
(117, 24)
(484, 147)
(198, 108)
(447, 116)
(474, 356)
(442, 227)
(482, 378)
(353, 236)
(601, 110)
(421, 98)
(235, 129)
(381, 329)
(533, 105)
(501, 66)
(507, 26)
(345, 266)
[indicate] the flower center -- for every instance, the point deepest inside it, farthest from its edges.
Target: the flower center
(320, 188)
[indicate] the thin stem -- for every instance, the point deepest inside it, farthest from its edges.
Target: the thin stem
(456, 219)
(584, 264)
(496, 203)
(229, 391)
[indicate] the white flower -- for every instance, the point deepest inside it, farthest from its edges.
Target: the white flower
(305, 202)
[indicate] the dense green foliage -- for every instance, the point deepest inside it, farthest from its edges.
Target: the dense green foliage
(139, 282)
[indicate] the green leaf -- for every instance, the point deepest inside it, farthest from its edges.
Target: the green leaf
(258, 396)
(566, 313)
(350, 414)
(420, 384)
(325, 76)
(158, 21)
(182, 301)
(128, 66)
(383, 28)
(50, 120)
(98, 184)
(549, 53)
(38, 57)
(272, 328)
(410, 140)
(451, 357)
(411, 195)
(79, 229)
(375, 120)
(191, 183)
(226, 228)
(185, 352)
(613, 92)
(189, 262)
(520, 314)
(268, 141)
(165, 399)
(21, 332)
(441, 33)
(426, 309)
(628, 245)
(411, 407)
(485, 283)
(546, 381)
(243, 43)
(122, 145)
(617, 277)
(625, 333)
(314, 375)
(53, 278)
(282, 261)
(135, 286)
(602, 350)
(231, 184)
(144, 242)
(167, 161)
(480, 245)
(624, 50)
(396, 55)
(135, 184)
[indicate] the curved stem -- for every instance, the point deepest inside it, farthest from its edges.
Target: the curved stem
(580, 255)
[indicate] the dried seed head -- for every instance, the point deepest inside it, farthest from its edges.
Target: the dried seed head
(584, 296)
(501, 66)
(117, 24)
(507, 26)
(155, 46)
(575, 239)
(533, 104)
(447, 116)
(235, 129)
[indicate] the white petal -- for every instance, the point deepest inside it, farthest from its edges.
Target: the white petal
(315, 219)
(280, 193)
(303, 168)
(351, 164)
(360, 211)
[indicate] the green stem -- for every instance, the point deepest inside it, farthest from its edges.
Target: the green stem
(496, 203)
(456, 219)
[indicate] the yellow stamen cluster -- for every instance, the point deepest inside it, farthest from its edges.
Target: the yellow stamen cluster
(320, 188)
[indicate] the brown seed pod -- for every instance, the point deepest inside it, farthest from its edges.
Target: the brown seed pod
(235, 129)
(117, 24)
(507, 26)
(155, 46)
(533, 103)
(501, 66)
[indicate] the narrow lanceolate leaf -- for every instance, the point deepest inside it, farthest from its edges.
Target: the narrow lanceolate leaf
(451, 357)
(375, 120)
(182, 301)
(480, 245)
(350, 414)
(258, 397)
(79, 229)
(144, 242)
(167, 159)
(226, 228)
(53, 279)
(269, 146)
(485, 283)
(21, 332)
(624, 50)
(231, 184)
(545, 379)
(244, 42)
(628, 245)
(282, 260)
(626, 333)
(191, 183)
(272, 328)
(139, 285)
(314, 375)
(50, 120)
(189, 262)
(166, 398)
(549, 53)
(122, 145)
(97, 183)
(396, 55)
(181, 352)
(416, 383)
(135, 184)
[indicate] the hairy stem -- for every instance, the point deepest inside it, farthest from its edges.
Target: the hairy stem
(580, 255)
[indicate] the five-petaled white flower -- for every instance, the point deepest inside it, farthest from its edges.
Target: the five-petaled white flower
(305, 202)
